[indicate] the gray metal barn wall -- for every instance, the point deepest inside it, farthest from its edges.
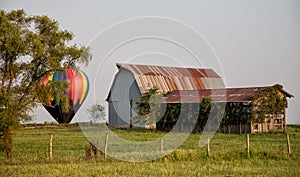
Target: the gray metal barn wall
(123, 90)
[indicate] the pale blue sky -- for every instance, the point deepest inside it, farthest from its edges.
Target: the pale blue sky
(257, 41)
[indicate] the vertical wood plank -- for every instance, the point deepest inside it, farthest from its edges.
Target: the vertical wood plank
(240, 128)
(284, 120)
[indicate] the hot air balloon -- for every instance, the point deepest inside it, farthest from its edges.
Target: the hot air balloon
(77, 92)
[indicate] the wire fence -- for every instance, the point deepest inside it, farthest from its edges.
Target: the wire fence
(273, 146)
(35, 143)
(71, 143)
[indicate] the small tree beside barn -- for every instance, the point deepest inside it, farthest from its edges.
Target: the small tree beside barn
(149, 108)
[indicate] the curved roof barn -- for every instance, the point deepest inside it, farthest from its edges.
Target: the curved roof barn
(173, 78)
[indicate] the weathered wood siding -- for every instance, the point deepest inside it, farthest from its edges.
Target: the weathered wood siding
(276, 123)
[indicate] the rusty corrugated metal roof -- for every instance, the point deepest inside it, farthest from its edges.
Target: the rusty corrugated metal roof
(173, 78)
(217, 95)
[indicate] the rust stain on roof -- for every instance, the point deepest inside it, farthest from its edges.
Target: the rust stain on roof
(171, 78)
(217, 95)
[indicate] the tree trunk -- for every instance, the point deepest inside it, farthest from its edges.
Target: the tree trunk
(8, 143)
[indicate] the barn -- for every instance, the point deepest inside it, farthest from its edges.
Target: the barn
(186, 85)
(132, 80)
(235, 98)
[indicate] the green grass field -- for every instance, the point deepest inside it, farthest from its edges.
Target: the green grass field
(268, 155)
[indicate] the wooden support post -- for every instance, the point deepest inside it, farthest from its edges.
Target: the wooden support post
(161, 147)
(130, 122)
(240, 127)
(248, 144)
(288, 144)
(284, 120)
(105, 146)
(50, 146)
(272, 123)
(208, 147)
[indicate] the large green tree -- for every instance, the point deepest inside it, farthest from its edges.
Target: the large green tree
(31, 47)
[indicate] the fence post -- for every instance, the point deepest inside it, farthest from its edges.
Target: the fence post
(288, 144)
(105, 146)
(161, 145)
(208, 147)
(248, 144)
(50, 146)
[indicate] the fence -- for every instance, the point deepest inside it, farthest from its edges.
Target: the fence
(277, 145)
(71, 143)
(35, 143)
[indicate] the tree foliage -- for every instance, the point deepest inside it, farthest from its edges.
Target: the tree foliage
(149, 107)
(187, 116)
(170, 117)
(31, 47)
(96, 111)
(269, 101)
(236, 112)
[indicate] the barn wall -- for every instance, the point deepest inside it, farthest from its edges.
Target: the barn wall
(276, 124)
(124, 89)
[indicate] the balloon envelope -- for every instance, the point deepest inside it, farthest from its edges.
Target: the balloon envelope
(77, 92)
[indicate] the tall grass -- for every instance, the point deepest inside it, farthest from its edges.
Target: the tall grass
(268, 155)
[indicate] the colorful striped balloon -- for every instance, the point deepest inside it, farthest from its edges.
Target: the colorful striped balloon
(77, 92)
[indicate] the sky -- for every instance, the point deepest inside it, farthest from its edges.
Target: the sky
(247, 42)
